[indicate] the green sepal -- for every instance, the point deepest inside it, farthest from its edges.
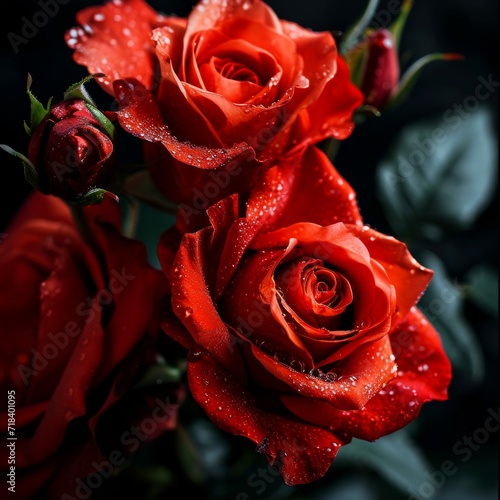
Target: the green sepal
(397, 27)
(411, 75)
(355, 59)
(356, 31)
(38, 111)
(78, 90)
(366, 110)
(94, 197)
(103, 120)
(30, 173)
(160, 373)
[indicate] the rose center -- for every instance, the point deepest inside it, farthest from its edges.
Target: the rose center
(233, 70)
(313, 293)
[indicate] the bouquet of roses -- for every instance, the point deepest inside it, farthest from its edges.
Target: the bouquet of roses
(269, 303)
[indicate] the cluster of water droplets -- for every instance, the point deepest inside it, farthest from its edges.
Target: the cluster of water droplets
(295, 365)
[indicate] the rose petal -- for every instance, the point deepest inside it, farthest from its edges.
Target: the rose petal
(359, 381)
(299, 451)
(69, 398)
(250, 305)
(331, 115)
(189, 166)
(209, 14)
(409, 278)
(256, 68)
(115, 39)
(59, 307)
(292, 191)
(191, 278)
(174, 101)
(43, 207)
(424, 375)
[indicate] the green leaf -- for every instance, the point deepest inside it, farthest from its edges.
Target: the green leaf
(151, 224)
(355, 59)
(38, 111)
(94, 197)
(439, 175)
(355, 32)
(78, 90)
(409, 78)
(396, 457)
(153, 479)
(30, 173)
(189, 456)
(397, 27)
(103, 120)
(481, 287)
(443, 305)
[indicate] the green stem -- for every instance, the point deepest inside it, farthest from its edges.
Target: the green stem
(131, 217)
(332, 148)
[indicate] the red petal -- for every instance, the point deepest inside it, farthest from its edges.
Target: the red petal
(192, 278)
(40, 206)
(409, 278)
(210, 14)
(174, 102)
(363, 374)
(115, 39)
(331, 115)
(300, 451)
(292, 191)
(424, 375)
(69, 399)
(187, 166)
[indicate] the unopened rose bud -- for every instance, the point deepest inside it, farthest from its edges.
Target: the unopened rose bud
(72, 150)
(381, 70)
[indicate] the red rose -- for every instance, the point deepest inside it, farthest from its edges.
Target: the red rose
(237, 87)
(78, 327)
(300, 320)
(72, 152)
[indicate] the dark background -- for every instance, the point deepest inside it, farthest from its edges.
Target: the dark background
(466, 27)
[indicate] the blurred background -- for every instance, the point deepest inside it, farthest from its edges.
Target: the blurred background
(453, 230)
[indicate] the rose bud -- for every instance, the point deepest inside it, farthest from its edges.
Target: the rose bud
(381, 69)
(72, 150)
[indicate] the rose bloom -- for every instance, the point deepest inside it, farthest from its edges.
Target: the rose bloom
(71, 151)
(78, 328)
(217, 95)
(301, 321)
